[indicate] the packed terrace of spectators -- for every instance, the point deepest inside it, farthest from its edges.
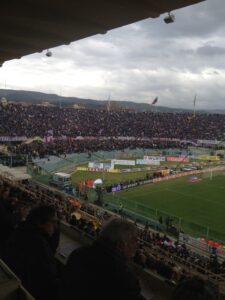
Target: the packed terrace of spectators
(101, 130)
(156, 252)
(62, 147)
(35, 120)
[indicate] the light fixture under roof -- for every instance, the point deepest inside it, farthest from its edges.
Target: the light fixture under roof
(169, 19)
(48, 53)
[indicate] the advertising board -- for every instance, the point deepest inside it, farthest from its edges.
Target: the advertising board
(156, 158)
(147, 162)
(123, 162)
(177, 158)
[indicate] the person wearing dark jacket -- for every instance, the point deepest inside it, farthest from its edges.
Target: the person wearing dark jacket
(101, 271)
(7, 224)
(197, 289)
(30, 253)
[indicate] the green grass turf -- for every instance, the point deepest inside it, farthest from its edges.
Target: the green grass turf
(199, 205)
(109, 178)
(201, 202)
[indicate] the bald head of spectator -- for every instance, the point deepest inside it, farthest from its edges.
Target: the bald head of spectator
(120, 235)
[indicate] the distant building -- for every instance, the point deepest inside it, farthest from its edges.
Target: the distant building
(46, 104)
(77, 106)
(24, 103)
(4, 101)
(115, 106)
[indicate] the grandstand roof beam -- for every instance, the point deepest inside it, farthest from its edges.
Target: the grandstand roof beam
(31, 26)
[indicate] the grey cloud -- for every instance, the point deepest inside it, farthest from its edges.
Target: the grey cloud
(200, 20)
(142, 60)
(209, 50)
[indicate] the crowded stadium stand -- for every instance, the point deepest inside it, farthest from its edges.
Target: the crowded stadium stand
(62, 131)
(159, 258)
(161, 261)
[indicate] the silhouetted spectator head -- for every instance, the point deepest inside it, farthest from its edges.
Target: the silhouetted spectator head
(43, 217)
(195, 289)
(120, 234)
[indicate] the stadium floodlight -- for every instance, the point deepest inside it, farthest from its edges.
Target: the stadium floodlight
(48, 53)
(169, 19)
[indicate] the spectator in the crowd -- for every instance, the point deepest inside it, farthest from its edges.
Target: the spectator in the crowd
(7, 223)
(30, 253)
(10, 215)
(195, 289)
(134, 129)
(159, 253)
(101, 271)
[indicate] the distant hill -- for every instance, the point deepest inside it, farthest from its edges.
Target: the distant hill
(40, 98)
(217, 111)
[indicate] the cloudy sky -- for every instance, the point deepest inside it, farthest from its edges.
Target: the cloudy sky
(137, 62)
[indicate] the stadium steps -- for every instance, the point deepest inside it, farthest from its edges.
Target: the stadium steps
(10, 285)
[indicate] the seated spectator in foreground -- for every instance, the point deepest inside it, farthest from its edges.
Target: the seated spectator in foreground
(10, 215)
(30, 253)
(195, 289)
(101, 271)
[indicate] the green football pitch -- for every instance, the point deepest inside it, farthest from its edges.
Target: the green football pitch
(197, 207)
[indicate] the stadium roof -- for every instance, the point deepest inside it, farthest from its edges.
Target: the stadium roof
(32, 26)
